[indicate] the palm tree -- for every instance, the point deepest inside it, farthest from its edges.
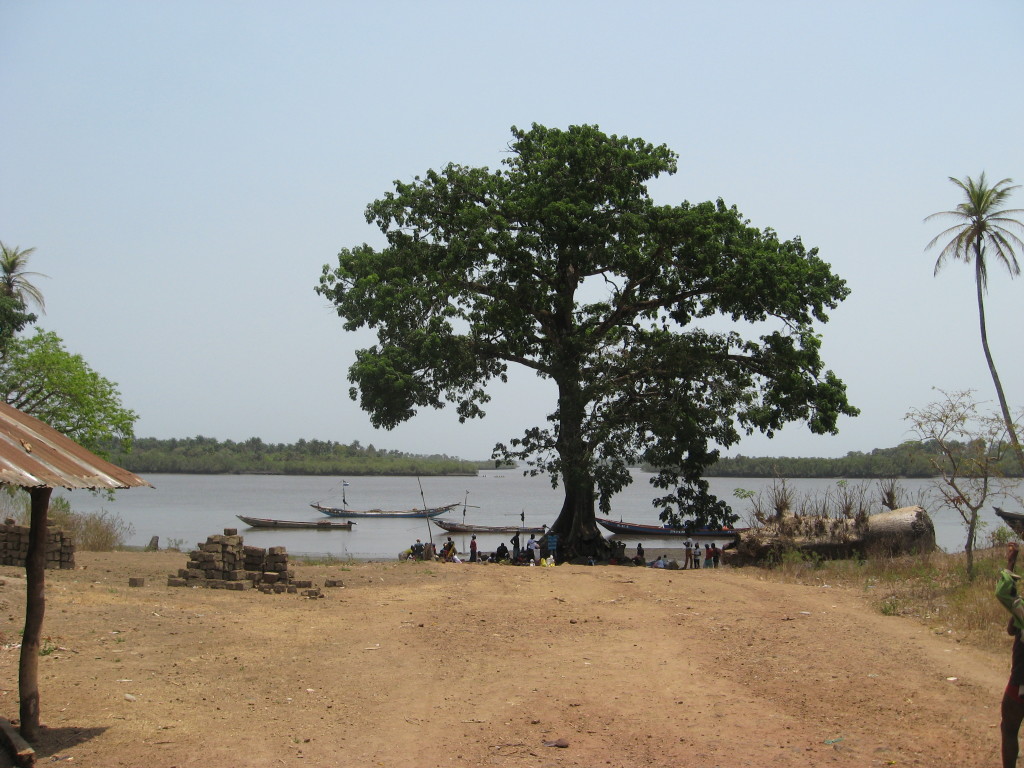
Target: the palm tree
(14, 277)
(982, 226)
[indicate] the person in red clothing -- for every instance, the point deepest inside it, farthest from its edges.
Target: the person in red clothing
(472, 549)
(1013, 697)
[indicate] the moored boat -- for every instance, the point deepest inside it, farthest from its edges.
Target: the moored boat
(453, 526)
(319, 525)
(634, 529)
(381, 513)
(1013, 519)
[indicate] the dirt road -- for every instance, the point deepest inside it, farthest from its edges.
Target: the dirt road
(426, 664)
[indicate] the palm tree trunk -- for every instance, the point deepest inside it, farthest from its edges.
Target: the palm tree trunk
(991, 363)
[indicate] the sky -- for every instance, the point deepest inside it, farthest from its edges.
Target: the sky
(185, 169)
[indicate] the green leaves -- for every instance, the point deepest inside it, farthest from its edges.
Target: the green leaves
(560, 262)
(40, 377)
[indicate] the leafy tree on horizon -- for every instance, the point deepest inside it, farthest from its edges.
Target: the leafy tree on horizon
(560, 262)
(982, 225)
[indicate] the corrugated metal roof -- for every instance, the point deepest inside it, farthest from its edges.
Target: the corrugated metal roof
(35, 455)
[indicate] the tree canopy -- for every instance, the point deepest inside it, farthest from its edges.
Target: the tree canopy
(40, 377)
(668, 331)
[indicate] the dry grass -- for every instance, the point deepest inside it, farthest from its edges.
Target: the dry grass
(91, 531)
(932, 588)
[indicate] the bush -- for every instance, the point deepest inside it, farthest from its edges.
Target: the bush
(90, 531)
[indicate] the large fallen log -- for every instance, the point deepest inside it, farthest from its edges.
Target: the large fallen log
(899, 531)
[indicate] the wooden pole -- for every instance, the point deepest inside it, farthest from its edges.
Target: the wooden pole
(35, 607)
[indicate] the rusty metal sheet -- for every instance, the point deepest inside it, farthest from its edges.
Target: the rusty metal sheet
(34, 455)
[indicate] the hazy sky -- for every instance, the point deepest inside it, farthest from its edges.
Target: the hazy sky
(184, 169)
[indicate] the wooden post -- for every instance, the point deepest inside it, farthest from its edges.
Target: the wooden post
(35, 607)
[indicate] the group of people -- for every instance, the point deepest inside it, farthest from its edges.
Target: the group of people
(693, 556)
(534, 553)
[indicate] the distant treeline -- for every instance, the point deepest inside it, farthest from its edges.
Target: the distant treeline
(209, 456)
(915, 459)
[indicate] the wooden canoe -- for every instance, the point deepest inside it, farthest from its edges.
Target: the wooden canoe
(317, 525)
(453, 526)
(640, 529)
(380, 513)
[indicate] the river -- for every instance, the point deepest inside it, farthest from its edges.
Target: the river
(184, 509)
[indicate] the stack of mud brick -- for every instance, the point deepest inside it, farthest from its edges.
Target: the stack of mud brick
(224, 562)
(60, 549)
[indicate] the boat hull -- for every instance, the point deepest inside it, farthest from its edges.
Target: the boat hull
(453, 526)
(317, 525)
(639, 529)
(382, 513)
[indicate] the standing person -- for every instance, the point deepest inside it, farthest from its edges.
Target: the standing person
(472, 549)
(1013, 697)
(533, 547)
(707, 556)
(515, 547)
(716, 553)
(696, 556)
(640, 553)
(687, 554)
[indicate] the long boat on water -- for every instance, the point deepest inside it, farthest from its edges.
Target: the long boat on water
(381, 513)
(634, 529)
(318, 525)
(453, 526)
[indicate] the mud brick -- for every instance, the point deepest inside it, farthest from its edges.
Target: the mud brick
(279, 589)
(234, 575)
(266, 589)
(255, 551)
(230, 531)
(210, 547)
(334, 583)
(312, 593)
(212, 574)
(136, 581)
(193, 565)
(292, 589)
(303, 584)
(237, 586)
(277, 551)
(214, 584)
(253, 575)
(173, 581)
(215, 539)
(194, 573)
(204, 556)
(270, 577)
(232, 539)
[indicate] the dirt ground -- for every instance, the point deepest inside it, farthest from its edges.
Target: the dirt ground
(428, 664)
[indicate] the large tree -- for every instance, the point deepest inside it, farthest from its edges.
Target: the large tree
(561, 262)
(983, 226)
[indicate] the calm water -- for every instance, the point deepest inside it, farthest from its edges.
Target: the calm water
(185, 509)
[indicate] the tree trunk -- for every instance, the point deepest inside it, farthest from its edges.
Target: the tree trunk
(1007, 419)
(899, 531)
(35, 607)
(576, 525)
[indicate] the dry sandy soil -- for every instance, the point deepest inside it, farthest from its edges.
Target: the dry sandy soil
(427, 664)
